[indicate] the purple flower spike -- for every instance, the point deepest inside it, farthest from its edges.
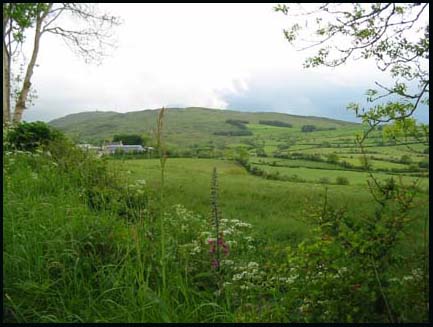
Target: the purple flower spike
(215, 263)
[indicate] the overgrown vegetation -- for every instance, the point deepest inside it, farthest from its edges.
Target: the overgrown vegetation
(82, 244)
(131, 139)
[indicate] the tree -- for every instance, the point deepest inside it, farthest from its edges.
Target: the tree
(308, 128)
(17, 17)
(395, 35)
(332, 158)
(406, 159)
(129, 139)
(91, 42)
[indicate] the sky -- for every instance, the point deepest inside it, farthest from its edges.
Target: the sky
(222, 56)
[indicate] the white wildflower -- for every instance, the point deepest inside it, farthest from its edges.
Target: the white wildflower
(253, 264)
(342, 270)
(406, 278)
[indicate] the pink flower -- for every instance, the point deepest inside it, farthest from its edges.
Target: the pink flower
(215, 263)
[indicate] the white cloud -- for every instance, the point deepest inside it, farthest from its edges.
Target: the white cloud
(180, 54)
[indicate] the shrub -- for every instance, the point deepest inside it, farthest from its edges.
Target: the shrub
(341, 180)
(129, 139)
(28, 136)
(332, 158)
(308, 128)
(234, 133)
(346, 164)
(405, 159)
(350, 270)
(275, 123)
(424, 164)
(324, 180)
(237, 123)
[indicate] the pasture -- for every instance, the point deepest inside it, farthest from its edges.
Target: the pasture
(277, 209)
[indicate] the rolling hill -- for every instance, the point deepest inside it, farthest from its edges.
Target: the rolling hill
(188, 126)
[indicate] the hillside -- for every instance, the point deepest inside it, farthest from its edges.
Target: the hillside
(185, 127)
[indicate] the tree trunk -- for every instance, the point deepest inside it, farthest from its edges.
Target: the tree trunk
(22, 98)
(6, 85)
(6, 77)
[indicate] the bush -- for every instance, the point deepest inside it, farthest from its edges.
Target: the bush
(308, 128)
(275, 123)
(405, 159)
(332, 158)
(424, 164)
(350, 270)
(237, 123)
(234, 133)
(29, 136)
(342, 180)
(324, 180)
(129, 139)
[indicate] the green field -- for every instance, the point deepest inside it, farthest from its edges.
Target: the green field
(274, 207)
(99, 240)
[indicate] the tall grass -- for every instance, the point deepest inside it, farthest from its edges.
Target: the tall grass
(83, 245)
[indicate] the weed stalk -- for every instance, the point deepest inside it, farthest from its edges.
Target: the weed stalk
(162, 160)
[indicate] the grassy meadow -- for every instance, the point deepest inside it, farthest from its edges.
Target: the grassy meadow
(279, 225)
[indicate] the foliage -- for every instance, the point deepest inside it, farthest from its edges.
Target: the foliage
(234, 133)
(188, 126)
(29, 136)
(275, 123)
(91, 42)
(341, 180)
(332, 158)
(348, 271)
(238, 123)
(424, 164)
(308, 128)
(129, 139)
(365, 163)
(394, 35)
(85, 244)
(405, 159)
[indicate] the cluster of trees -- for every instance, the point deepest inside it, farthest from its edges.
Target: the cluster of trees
(234, 133)
(238, 123)
(312, 128)
(131, 139)
(308, 128)
(275, 123)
